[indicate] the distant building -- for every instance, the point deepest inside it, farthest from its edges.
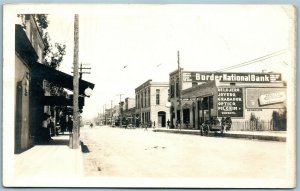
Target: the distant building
(129, 111)
(150, 100)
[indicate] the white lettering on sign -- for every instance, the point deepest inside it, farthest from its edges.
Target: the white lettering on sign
(235, 77)
(272, 98)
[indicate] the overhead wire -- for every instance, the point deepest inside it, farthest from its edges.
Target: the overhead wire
(273, 54)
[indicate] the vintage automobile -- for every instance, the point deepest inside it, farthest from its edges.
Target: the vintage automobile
(214, 125)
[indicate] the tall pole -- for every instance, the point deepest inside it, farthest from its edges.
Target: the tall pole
(111, 113)
(179, 89)
(121, 115)
(75, 135)
(104, 111)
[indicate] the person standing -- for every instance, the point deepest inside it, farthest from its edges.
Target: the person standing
(45, 133)
(168, 124)
(62, 122)
(51, 126)
(70, 124)
(153, 124)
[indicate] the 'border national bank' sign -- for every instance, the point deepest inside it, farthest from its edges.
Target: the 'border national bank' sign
(231, 77)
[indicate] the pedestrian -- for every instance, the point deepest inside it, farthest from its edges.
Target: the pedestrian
(178, 125)
(168, 124)
(62, 122)
(146, 127)
(70, 124)
(153, 124)
(91, 125)
(51, 126)
(45, 133)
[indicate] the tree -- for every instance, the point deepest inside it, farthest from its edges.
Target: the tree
(279, 119)
(53, 53)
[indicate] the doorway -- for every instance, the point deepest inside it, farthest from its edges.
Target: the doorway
(161, 117)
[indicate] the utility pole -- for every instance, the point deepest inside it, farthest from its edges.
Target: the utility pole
(80, 70)
(74, 138)
(104, 113)
(179, 89)
(121, 109)
(111, 113)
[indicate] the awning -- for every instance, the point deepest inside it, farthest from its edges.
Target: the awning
(62, 101)
(58, 78)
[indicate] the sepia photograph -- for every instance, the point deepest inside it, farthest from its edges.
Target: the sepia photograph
(149, 95)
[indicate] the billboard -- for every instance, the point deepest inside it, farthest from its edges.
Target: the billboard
(260, 98)
(231, 77)
(230, 102)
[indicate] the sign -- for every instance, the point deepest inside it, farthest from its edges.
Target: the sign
(231, 77)
(274, 98)
(230, 102)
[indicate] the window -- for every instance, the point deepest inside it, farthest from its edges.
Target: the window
(172, 91)
(157, 96)
(177, 89)
(145, 98)
(141, 97)
(149, 96)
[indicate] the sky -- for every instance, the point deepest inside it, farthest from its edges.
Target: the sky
(125, 45)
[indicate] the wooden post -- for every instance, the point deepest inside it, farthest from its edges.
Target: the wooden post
(179, 89)
(121, 112)
(75, 135)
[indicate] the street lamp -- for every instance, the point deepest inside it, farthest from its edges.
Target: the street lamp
(168, 104)
(88, 91)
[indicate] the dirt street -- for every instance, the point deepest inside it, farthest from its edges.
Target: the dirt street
(120, 152)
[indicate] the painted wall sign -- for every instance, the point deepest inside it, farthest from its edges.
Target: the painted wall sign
(231, 77)
(271, 98)
(230, 102)
(265, 98)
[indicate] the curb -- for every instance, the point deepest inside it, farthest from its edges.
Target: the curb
(229, 135)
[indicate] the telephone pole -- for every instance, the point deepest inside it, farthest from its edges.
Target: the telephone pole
(111, 113)
(179, 89)
(74, 138)
(104, 113)
(121, 109)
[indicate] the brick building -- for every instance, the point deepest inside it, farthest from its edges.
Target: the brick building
(151, 98)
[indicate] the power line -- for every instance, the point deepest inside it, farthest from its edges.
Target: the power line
(253, 61)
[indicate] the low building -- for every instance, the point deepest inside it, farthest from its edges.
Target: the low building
(254, 101)
(151, 98)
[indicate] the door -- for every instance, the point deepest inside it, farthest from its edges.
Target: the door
(18, 118)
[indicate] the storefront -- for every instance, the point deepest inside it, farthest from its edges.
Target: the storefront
(31, 82)
(253, 101)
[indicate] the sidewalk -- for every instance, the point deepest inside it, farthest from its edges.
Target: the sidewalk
(52, 159)
(260, 135)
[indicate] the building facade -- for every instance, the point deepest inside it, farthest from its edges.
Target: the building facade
(151, 98)
(254, 101)
(129, 111)
(29, 49)
(32, 84)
